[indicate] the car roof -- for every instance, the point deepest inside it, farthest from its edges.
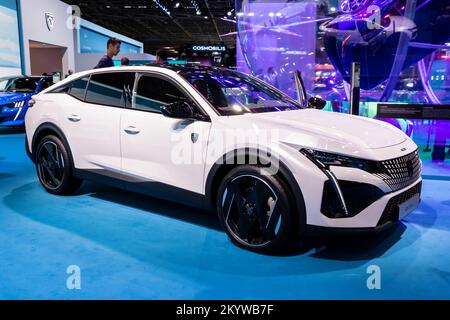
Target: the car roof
(150, 67)
(170, 70)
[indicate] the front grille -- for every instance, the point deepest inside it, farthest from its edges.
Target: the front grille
(401, 172)
(391, 212)
(9, 105)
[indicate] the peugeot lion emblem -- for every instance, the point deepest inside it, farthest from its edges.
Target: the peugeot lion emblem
(194, 137)
(50, 20)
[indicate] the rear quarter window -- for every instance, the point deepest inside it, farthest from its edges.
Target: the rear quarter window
(76, 88)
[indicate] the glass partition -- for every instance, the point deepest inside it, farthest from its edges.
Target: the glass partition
(403, 47)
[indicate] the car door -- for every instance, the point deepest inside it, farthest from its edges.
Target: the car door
(92, 121)
(163, 156)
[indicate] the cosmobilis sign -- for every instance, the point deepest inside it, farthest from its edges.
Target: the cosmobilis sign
(209, 48)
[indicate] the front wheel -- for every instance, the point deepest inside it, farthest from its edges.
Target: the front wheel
(256, 210)
(54, 167)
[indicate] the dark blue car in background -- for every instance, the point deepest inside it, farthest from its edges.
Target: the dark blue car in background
(15, 93)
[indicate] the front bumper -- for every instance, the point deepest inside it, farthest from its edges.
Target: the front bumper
(10, 117)
(380, 215)
(319, 231)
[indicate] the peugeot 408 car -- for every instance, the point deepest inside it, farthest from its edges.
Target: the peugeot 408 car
(273, 168)
(15, 92)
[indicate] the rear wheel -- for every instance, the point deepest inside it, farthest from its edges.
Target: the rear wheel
(54, 167)
(256, 212)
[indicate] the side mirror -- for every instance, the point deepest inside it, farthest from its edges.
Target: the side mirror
(316, 103)
(178, 110)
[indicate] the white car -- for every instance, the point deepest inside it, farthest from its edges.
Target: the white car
(273, 169)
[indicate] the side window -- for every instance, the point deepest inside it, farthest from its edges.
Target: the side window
(111, 89)
(152, 93)
(76, 88)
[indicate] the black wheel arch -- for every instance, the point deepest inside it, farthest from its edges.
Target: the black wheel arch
(228, 161)
(44, 130)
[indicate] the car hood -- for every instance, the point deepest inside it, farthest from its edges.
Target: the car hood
(324, 130)
(8, 97)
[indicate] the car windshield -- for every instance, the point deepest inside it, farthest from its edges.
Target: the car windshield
(234, 93)
(19, 84)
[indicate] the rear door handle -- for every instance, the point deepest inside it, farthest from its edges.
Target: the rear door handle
(132, 130)
(74, 118)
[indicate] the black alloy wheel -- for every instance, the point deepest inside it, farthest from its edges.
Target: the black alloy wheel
(50, 164)
(54, 167)
(255, 210)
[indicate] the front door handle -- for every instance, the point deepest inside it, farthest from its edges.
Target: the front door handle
(132, 130)
(74, 118)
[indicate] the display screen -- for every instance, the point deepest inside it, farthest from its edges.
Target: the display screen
(95, 42)
(10, 57)
(275, 39)
(403, 57)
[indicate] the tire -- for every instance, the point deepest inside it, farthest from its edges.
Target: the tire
(54, 167)
(264, 220)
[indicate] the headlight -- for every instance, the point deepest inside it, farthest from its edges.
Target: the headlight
(325, 160)
(334, 203)
(19, 104)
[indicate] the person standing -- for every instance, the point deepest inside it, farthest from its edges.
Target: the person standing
(162, 56)
(69, 73)
(125, 61)
(113, 49)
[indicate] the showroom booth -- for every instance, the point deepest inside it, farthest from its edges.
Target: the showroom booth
(48, 36)
(138, 182)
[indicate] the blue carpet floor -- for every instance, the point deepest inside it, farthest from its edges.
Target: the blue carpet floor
(133, 247)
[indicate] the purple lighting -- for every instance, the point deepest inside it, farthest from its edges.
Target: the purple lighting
(275, 34)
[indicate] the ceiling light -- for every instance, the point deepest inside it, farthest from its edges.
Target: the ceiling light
(162, 7)
(196, 7)
(177, 5)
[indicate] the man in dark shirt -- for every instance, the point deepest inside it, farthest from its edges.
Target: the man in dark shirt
(125, 61)
(106, 61)
(162, 56)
